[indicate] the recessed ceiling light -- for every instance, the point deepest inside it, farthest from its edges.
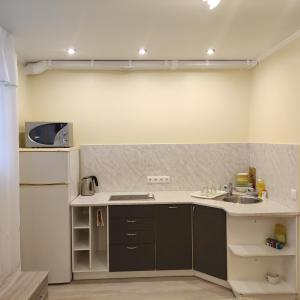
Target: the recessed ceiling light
(71, 51)
(142, 51)
(210, 51)
(212, 3)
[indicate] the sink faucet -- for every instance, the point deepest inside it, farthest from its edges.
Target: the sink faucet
(150, 196)
(230, 188)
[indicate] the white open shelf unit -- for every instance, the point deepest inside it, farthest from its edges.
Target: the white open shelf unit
(89, 239)
(249, 259)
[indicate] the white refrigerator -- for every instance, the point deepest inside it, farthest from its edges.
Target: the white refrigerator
(49, 181)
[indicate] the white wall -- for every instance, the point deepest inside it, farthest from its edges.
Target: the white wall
(9, 184)
(9, 160)
(143, 107)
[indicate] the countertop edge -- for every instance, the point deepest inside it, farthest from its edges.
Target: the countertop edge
(234, 210)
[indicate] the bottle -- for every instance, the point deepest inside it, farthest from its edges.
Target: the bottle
(280, 233)
(252, 177)
(261, 187)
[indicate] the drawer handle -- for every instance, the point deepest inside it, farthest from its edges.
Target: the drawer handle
(131, 221)
(131, 248)
(173, 206)
(131, 234)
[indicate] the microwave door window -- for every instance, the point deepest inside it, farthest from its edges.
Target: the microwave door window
(45, 134)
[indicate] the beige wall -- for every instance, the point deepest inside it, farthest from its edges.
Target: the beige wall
(23, 94)
(275, 99)
(143, 107)
(261, 105)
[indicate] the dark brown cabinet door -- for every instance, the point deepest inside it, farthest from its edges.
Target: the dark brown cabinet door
(173, 237)
(209, 241)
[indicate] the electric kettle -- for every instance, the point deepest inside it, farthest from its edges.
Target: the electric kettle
(88, 185)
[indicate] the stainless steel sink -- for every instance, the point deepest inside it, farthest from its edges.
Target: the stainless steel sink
(134, 197)
(241, 199)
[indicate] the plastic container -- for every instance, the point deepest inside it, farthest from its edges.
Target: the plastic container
(242, 179)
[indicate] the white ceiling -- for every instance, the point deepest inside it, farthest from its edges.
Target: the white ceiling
(169, 29)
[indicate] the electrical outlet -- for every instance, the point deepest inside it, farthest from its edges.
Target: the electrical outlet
(158, 179)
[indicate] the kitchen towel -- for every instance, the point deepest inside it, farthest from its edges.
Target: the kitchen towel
(100, 220)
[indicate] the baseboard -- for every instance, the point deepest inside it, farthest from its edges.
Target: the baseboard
(212, 279)
(268, 297)
(132, 274)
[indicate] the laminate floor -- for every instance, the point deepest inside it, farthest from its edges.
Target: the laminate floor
(179, 288)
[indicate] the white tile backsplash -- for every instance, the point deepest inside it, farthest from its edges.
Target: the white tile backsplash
(192, 166)
(278, 165)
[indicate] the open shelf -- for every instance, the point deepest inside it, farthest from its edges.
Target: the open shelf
(81, 217)
(99, 261)
(81, 240)
(260, 250)
(81, 261)
(99, 240)
(81, 226)
(261, 288)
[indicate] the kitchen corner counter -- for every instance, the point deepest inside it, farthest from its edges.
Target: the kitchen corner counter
(266, 208)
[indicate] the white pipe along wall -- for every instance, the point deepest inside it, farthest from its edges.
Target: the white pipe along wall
(136, 65)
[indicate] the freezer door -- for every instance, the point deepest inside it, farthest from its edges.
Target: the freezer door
(44, 167)
(45, 231)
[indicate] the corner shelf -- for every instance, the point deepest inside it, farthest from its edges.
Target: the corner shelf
(260, 250)
(249, 259)
(247, 288)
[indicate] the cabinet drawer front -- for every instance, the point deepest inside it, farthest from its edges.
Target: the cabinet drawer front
(132, 211)
(131, 258)
(180, 210)
(131, 224)
(131, 237)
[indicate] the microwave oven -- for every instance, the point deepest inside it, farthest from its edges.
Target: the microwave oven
(48, 135)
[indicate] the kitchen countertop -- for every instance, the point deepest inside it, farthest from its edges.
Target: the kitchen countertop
(265, 208)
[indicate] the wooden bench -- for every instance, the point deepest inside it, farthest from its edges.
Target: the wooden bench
(25, 286)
